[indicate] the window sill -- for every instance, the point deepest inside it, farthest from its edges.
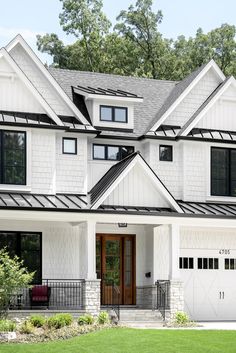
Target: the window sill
(15, 188)
(221, 199)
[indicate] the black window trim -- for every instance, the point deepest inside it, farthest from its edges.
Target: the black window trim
(18, 248)
(113, 108)
(2, 157)
(166, 160)
(69, 138)
(106, 151)
(229, 191)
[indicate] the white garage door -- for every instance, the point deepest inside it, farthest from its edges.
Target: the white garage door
(209, 278)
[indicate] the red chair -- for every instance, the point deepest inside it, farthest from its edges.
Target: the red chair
(40, 295)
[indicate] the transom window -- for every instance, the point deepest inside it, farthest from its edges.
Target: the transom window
(112, 153)
(12, 157)
(27, 246)
(113, 114)
(223, 171)
(69, 145)
(166, 153)
(204, 263)
(186, 263)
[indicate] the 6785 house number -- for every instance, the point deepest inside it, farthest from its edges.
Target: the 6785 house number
(224, 251)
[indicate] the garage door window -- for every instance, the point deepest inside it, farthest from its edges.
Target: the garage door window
(204, 263)
(186, 262)
(230, 264)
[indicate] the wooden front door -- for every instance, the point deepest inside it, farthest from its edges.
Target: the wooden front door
(115, 264)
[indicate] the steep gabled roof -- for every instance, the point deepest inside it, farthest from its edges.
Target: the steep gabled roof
(180, 91)
(205, 106)
(117, 173)
(19, 40)
(154, 93)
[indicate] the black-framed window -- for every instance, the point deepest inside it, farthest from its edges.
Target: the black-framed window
(166, 153)
(69, 145)
(230, 264)
(223, 171)
(12, 157)
(186, 263)
(113, 114)
(205, 263)
(28, 247)
(111, 152)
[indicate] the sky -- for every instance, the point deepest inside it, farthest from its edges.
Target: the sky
(31, 17)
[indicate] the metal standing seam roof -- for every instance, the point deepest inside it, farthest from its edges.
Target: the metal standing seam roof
(106, 92)
(78, 203)
(42, 201)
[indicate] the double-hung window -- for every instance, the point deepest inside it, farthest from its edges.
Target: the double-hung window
(12, 157)
(223, 171)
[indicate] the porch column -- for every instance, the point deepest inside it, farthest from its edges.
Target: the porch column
(91, 292)
(176, 292)
(174, 246)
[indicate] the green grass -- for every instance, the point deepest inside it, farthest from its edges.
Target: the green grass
(136, 341)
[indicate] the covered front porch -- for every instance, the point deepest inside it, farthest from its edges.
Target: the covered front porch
(83, 257)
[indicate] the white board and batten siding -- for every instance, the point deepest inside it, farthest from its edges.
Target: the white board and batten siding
(210, 294)
(134, 190)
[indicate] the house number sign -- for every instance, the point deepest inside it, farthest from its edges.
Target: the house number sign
(224, 251)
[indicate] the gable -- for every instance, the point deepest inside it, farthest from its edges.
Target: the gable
(14, 95)
(136, 189)
(222, 115)
(43, 86)
(188, 95)
(194, 99)
(132, 181)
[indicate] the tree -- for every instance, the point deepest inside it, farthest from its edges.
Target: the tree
(13, 277)
(140, 25)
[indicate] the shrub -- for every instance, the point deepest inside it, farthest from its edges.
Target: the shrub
(7, 326)
(37, 320)
(26, 327)
(59, 320)
(103, 318)
(86, 320)
(181, 318)
(13, 277)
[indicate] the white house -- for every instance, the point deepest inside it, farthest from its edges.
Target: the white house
(125, 179)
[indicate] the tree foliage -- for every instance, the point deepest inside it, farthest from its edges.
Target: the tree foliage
(13, 277)
(135, 46)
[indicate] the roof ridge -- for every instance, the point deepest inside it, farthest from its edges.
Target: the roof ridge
(114, 75)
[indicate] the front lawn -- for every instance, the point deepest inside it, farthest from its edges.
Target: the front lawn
(122, 340)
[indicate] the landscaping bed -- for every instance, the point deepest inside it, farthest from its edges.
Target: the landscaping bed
(38, 328)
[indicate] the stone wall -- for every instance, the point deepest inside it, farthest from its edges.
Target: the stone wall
(176, 297)
(91, 296)
(146, 297)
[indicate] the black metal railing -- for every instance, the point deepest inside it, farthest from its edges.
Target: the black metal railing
(163, 296)
(110, 296)
(59, 295)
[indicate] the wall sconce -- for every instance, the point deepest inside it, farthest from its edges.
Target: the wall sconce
(122, 225)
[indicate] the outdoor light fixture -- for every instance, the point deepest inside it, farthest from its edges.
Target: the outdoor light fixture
(122, 225)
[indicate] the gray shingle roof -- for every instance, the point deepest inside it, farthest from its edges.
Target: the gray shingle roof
(154, 92)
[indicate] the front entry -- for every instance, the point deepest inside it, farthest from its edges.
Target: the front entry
(115, 265)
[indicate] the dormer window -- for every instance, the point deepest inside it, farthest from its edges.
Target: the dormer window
(113, 114)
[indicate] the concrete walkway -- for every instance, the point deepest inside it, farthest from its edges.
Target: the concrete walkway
(219, 325)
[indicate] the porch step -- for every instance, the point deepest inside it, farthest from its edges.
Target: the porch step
(140, 315)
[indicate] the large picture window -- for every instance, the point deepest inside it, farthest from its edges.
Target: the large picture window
(12, 157)
(223, 171)
(27, 246)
